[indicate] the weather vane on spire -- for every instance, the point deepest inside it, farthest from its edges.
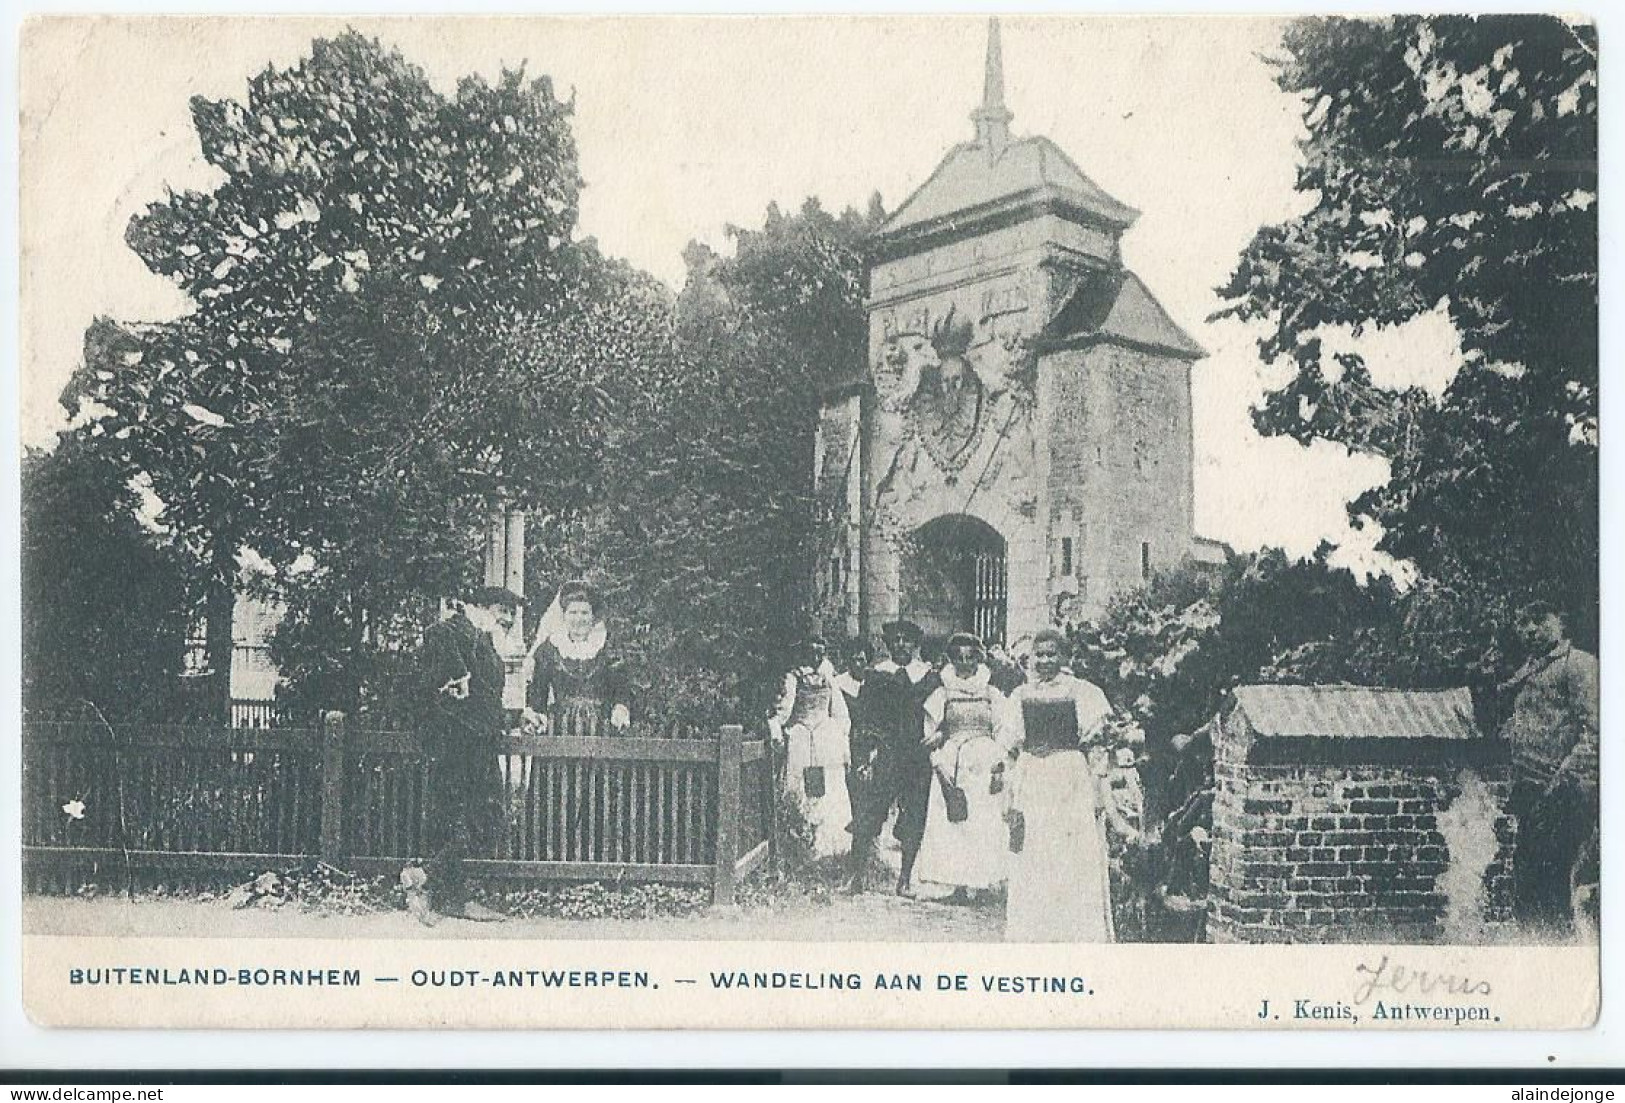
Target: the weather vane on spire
(992, 119)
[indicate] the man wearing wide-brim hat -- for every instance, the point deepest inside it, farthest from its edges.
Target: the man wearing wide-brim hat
(459, 678)
(888, 757)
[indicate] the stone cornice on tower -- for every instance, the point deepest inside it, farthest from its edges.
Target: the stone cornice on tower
(972, 191)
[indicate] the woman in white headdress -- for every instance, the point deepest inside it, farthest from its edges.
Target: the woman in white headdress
(966, 837)
(576, 687)
(813, 723)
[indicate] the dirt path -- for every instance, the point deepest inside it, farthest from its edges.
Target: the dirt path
(839, 918)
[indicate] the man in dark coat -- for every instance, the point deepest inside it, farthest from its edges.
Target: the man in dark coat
(459, 686)
(1553, 736)
(889, 755)
(1175, 864)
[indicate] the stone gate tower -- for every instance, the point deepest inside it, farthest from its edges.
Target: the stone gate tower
(1018, 447)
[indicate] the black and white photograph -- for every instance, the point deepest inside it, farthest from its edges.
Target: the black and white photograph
(1070, 491)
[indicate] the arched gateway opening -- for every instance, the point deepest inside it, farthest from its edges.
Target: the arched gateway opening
(954, 578)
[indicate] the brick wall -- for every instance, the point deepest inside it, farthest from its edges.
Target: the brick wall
(1357, 841)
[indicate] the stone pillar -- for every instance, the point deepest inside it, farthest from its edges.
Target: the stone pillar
(504, 563)
(504, 566)
(513, 573)
(496, 547)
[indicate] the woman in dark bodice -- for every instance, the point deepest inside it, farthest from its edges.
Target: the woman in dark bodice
(576, 686)
(1059, 887)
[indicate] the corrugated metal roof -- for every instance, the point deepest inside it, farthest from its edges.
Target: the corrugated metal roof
(1358, 712)
(970, 176)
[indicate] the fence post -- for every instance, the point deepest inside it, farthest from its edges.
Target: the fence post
(333, 757)
(730, 755)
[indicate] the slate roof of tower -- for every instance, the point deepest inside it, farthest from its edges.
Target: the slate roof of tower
(970, 178)
(1357, 712)
(1113, 304)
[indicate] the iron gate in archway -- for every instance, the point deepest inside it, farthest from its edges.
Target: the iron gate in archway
(955, 578)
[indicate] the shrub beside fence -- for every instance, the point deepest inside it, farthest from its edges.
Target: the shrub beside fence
(187, 800)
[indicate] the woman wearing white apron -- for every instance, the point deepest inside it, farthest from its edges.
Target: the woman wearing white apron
(1060, 884)
(966, 837)
(812, 721)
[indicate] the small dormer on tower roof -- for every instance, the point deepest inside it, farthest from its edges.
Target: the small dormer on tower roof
(996, 178)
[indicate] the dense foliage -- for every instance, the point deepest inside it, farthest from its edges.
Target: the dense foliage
(392, 325)
(702, 540)
(102, 604)
(1170, 652)
(1450, 165)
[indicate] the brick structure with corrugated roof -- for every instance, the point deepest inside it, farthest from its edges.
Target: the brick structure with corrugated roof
(1358, 814)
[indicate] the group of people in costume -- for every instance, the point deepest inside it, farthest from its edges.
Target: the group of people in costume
(986, 776)
(982, 787)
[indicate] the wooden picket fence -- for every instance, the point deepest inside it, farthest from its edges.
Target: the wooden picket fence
(203, 800)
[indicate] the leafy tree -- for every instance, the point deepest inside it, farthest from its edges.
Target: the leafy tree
(392, 325)
(544, 396)
(790, 322)
(1171, 651)
(103, 604)
(800, 281)
(1451, 164)
(703, 533)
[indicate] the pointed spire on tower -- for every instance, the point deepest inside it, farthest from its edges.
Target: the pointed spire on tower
(993, 82)
(992, 119)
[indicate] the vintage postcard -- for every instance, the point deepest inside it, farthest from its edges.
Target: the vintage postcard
(754, 522)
